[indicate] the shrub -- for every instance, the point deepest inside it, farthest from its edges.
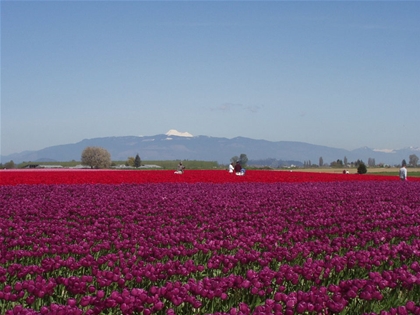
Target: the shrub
(361, 169)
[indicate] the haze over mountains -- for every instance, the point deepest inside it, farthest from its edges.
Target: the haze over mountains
(184, 146)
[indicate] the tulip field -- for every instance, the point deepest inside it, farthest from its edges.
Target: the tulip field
(208, 242)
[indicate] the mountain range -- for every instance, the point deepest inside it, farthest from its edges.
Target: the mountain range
(183, 146)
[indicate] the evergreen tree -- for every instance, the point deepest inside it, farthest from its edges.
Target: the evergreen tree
(361, 169)
(137, 161)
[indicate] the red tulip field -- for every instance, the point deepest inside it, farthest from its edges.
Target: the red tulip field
(208, 242)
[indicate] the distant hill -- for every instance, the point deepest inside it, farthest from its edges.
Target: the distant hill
(206, 148)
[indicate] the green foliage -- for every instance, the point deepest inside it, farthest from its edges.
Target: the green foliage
(362, 169)
(338, 163)
(189, 164)
(130, 161)
(165, 164)
(9, 165)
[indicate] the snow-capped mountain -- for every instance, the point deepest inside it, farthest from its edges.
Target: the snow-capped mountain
(174, 132)
(175, 145)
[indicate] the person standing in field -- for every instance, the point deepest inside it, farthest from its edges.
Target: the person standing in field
(231, 168)
(180, 169)
(403, 172)
(238, 167)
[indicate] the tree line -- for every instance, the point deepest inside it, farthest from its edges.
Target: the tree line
(98, 157)
(413, 161)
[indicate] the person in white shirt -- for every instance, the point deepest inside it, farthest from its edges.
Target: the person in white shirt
(403, 172)
(231, 168)
(180, 169)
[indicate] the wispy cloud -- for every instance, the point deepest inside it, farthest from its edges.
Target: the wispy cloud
(227, 107)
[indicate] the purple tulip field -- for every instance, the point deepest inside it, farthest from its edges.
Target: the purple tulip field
(350, 247)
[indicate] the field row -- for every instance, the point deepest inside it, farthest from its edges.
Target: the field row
(326, 247)
(18, 177)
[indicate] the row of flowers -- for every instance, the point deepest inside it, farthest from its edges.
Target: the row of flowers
(16, 177)
(348, 247)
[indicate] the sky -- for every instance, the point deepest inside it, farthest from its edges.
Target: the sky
(343, 74)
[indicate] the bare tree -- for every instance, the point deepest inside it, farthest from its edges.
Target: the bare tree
(243, 159)
(234, 159)
(371, 162)
(321, 161)
(96, 157)
(413, 160)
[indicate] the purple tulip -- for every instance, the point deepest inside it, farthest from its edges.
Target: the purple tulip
(291, 302)
(290, 243)
(71, 302)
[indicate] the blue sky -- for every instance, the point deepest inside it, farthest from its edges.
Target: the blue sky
(340, 74)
